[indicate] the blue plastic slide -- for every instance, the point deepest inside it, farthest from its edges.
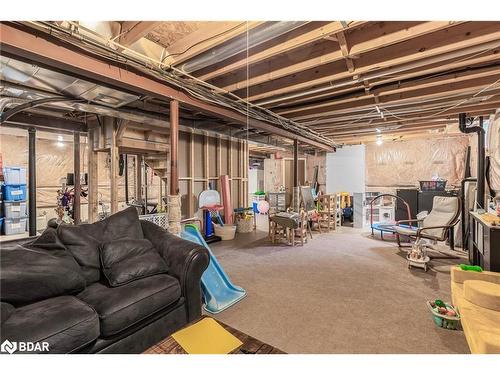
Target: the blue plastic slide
(218, 290)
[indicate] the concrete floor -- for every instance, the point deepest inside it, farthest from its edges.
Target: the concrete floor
(343, 292)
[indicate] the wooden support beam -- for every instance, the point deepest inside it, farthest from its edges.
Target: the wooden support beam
(468, 61)
(138, 178)
(281, 48)
(383, 35)
(469, 88)
(441, 46)
(344, 48)
(114, 167)
(174, 141)
(206, 165)
(440, 85)
(122, 126)
(295, 163)
(218, 153)
(46, 123)
(439, 111)
(76, 178)
(93, 169)
(132, 31)
(191, 197)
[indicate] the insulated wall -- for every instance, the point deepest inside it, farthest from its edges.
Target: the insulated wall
(404, 163)
(493, 144)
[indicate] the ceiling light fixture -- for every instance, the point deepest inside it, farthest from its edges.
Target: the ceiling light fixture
(379, 141)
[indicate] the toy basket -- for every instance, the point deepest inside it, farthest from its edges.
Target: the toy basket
(444, 321)
(226, 232)
(160, 219)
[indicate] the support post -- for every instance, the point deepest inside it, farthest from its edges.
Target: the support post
(76, 177)
(295, 163)
(92, 173)
(174, 200)
(138, 180)
(115, 161)
(32, 181)
(174, 141)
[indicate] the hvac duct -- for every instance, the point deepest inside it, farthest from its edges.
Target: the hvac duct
(462, 124)
(259, 35)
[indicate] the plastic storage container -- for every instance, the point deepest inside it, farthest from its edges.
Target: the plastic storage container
(433, 185)
(15, 210)
(226, 233)
(14, 192)
(14, 175)
(14, 226)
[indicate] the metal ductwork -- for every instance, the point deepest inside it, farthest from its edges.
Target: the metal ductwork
(462, 124)
(259, 35)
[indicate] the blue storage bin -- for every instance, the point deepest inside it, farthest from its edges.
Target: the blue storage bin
(14, 175)
(14, 192)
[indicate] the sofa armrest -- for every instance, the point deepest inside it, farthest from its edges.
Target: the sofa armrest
(459, 276)
(6, 310)
(186, 261)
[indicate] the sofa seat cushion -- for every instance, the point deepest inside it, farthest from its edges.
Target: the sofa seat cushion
(64, 322)
(481, 327)
(121, 307)
(483, 293)
(130, 259)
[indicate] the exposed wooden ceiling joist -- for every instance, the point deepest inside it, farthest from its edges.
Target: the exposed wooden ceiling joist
(374, 36)
(206, 38)
(451, 65)
(440, 85)
(475, 110)
(298, 41)
(132, 31)
(450, 43)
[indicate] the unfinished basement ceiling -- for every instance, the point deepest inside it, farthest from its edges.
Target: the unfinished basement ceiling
(350, 81)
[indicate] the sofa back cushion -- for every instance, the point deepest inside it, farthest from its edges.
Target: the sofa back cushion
(129, 259)
(29, 274)
(83, 240)
(84, 247)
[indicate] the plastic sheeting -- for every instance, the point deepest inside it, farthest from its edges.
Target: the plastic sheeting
(54, 161)
(493, 143)
(407, 162)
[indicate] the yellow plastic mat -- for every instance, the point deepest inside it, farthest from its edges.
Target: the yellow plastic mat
(206, 337)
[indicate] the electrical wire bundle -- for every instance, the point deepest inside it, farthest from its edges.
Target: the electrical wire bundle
(192, 86)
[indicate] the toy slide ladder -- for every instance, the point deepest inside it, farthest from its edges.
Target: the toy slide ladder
(218, 291)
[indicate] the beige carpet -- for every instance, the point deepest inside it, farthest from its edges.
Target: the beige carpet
(343, 292)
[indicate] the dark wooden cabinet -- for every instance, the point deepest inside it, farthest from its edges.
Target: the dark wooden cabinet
(484, 243)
